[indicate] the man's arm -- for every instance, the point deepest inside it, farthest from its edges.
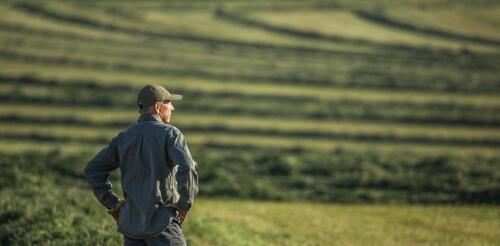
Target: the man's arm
(97, 173)
(187, 178)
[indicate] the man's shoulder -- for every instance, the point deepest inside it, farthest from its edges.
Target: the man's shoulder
(160, 126)
(172, 130)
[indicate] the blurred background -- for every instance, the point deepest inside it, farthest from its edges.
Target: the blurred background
(312, 122)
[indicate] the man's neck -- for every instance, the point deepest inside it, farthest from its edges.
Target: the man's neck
(148, 117)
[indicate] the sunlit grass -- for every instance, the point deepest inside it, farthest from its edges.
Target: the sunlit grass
(334, 23)
(109, 77)
(479, 21)
(260, 141)
(149, 23)
(23, 146)
(180, 119)
(264, 223)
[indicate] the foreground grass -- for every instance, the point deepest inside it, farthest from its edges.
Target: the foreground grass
(44, 200)
(69, 216)
(220, 222)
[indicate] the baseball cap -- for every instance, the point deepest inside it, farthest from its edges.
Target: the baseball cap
(152, 94)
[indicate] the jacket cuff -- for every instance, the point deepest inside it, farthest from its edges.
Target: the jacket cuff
(183, 205)
(106, 197)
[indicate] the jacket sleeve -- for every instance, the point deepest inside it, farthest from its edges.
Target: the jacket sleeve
(187, 178)
(97, 173)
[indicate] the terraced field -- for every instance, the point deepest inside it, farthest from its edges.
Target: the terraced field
(337, 101)
(263, 66)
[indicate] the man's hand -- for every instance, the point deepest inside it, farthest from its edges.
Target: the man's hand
(181, 215)
(115, 211)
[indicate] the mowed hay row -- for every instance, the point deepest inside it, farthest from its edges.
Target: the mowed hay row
(224, 70)
(42, 73)
(324, 72)
(59, 130)
(102, 118)
(473, 23)
(244, 51)
(49, 16)
(416, 53)
(53, 92)
(362, 29)
(82, 78)
(97, 126)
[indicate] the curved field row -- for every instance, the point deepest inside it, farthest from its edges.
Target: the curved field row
(114, 42)
(438, 55)
(44, 135)
(110, 118)
(334, 70)
(113, 39)
(24, 124)
(26, 146)
(478, 20)
(263, 110)
(110, 23)
(279, 6)
(234, 104)
(382, 19)
(40, 75)
(190, 46)
(353, 79)
(390, 38)
(437, 101)
(313, 64)
(129, 28)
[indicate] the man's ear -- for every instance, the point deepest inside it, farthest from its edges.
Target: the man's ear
(157, 108)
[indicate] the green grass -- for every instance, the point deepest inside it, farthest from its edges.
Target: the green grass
(23, 146)
(45, 200)
(264, 223)
(475, 21)
(185, 119)
(429, 78)
(50, 92)
(237, 86)
(334, 23)
(145, 22)
(313, 123)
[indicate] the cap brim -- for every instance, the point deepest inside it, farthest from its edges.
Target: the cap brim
(174, 97)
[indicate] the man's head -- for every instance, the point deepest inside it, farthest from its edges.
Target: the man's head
(155, 99)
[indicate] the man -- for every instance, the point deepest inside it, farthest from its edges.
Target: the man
(158, 175)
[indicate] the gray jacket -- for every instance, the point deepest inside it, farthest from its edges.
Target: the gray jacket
(156, 169)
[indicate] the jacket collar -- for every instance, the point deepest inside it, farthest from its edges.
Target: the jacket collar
(148, 117)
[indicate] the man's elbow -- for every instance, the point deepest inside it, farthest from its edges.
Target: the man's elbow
(87, 171)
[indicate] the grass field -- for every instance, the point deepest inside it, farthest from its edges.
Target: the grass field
(44, 200)
(264, 223)
(313, 122)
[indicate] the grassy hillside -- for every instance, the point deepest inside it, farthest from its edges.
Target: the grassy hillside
(315, 102)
